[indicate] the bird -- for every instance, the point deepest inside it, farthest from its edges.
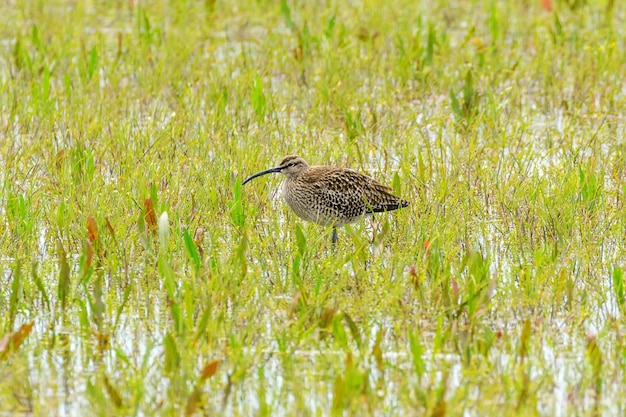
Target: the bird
(331, 196)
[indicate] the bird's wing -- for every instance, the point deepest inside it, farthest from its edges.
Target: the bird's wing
(353, 194)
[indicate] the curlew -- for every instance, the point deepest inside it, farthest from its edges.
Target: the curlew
(331, 196)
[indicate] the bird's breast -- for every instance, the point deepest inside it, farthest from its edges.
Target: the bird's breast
(303, 200)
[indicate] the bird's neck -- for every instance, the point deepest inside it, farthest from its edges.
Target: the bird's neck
(297, 177)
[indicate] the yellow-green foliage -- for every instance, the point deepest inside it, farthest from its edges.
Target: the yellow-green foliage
(139, 278)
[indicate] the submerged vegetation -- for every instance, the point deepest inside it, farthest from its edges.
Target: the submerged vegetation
(140, 278)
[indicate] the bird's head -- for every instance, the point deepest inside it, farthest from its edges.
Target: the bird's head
(291, 166)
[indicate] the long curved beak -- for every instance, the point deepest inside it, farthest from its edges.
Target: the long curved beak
(258, 174)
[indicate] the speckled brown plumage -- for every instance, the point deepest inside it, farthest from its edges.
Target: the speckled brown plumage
(331, 196)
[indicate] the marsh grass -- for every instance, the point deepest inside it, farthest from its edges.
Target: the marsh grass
(140, 278)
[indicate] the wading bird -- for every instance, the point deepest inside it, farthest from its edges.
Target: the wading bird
(331, 196)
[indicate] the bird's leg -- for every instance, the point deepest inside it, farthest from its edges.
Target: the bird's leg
(334, 235)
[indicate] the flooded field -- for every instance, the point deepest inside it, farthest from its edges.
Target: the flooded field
(138, 276)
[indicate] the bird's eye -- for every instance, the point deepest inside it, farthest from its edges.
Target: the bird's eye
(290, 164)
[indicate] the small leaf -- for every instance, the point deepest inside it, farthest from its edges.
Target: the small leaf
(12, 341)
(64, 274)
(40, 285)
(202, 324)
(93, 63)
(198, 240)
(455, 286)
(116, 398)
(172, 357)
(327, 316)
(16, 291)
(300, 240)
(88, 258)
(150, 214)
(430, 46)
(330, 26)
(558, 28)
(595, 357)
(524, 339)
(92, 229)
(192, 252)
(236, 209)
(59, 159)
(192, 402)
(396, 184)
(469, 94)
(110, 228)
(353, 328)
(454, 103)
(618, 287)
(286, 12)
(441, 404)
(417, 351)
(296, 304)
(210, 369)
(259, 101)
